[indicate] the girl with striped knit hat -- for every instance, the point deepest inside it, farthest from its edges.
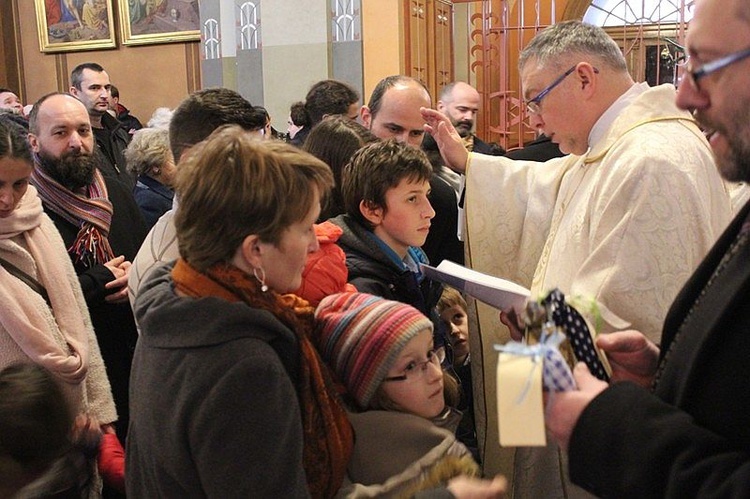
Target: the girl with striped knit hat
(382, 352)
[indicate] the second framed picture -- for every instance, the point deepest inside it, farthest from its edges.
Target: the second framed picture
(158, 21)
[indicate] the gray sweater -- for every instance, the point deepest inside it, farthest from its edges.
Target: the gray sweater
(214, 412)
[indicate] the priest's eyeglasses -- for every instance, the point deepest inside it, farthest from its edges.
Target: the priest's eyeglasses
(416, 370)
(532, 105)
(695, 75)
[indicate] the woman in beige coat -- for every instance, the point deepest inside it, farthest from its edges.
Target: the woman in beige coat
(43, 316)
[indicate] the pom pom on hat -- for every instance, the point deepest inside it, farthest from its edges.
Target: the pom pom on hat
(360, 336)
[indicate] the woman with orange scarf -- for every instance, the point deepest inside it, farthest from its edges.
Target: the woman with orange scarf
(228, 396)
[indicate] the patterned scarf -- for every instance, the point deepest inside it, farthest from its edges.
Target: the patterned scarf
(328, 435)
(90, 211)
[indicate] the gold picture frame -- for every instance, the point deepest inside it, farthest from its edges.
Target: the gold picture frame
(71, 25)
(145, 22)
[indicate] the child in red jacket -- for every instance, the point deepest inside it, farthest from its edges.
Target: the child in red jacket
(325, 271)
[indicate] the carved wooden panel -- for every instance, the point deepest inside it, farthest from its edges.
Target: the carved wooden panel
(443, 59)
(417, 40)
(429, 42)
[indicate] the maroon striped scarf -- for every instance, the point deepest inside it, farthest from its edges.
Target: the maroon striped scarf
(90, 211)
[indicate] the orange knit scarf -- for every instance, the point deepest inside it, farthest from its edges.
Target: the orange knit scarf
(328, 435)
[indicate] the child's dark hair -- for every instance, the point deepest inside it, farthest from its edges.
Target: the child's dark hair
(334, 141)
(35, 420)
(375, 169)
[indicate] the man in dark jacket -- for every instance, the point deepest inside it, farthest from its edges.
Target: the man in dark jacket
(122, 113)
(99, 223)
(393, 113)
(90, 84)
(460, 102)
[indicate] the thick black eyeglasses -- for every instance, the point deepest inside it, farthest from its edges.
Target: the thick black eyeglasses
(532, 105)
(695, 75)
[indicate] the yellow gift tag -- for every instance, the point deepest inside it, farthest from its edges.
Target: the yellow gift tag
(519, 401)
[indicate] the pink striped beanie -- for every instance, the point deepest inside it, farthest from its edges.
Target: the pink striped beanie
(360, 336)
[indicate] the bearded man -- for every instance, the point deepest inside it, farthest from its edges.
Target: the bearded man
(99, 223)
(460, 102)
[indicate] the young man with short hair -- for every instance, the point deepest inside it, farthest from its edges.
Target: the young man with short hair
(385, 189)
(90, 84)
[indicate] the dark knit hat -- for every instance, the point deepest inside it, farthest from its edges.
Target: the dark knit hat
(360, 336)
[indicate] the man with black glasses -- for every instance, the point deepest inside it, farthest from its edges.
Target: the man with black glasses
(622, 221)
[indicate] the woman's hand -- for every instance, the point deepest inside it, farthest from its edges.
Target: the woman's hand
(464, 487)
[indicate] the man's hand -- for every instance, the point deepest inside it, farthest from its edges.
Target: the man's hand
(447, 138)
(120, 268)
(632, 356)
(511, 321)
(564, 408)
(464, 487)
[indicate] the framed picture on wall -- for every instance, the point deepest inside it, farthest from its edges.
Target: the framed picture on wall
(68, 25)
(159, 21)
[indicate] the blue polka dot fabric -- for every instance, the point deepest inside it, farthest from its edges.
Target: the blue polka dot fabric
(576, 330)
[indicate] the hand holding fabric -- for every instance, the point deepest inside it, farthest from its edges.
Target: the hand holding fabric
(111, 461)
(564, 408)
(631, 355)
(464, 487)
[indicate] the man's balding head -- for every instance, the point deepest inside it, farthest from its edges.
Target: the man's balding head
(460, 102)
(393, 109)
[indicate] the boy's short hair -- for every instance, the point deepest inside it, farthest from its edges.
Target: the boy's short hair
(375, 169)
(450, 298)
(35, 418)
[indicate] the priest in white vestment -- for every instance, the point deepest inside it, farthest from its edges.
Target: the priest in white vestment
(623, 220)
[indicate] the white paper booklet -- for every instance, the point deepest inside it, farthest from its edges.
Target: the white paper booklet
(499, 293)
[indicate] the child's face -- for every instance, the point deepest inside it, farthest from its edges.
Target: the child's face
(406, 221)
(421, 393)
(458, 325)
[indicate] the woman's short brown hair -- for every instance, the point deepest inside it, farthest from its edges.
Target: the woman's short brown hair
(233, 185)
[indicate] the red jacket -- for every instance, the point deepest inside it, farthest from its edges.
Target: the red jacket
(325, 271)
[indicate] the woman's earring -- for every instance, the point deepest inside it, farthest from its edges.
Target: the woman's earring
(261, 279)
